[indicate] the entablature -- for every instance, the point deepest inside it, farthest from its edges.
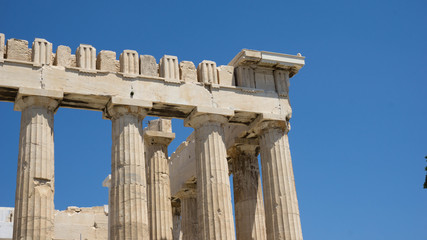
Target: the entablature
(254, 83)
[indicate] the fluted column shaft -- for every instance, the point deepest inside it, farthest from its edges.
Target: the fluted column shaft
(189, 224)
(248, 201)
(34, 205)
(215, 214)
(159, 198)
(176, 212)
(281, 204)
(128, 201)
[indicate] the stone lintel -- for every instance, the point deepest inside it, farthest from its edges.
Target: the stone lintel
(24, 92)
(119, 106)
(130, 102)
(96, 90)
(200, 114)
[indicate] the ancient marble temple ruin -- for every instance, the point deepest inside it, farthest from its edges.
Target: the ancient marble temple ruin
(238, 111)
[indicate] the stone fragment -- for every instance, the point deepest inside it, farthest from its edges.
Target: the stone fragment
(117, 64)
(17, 49)
(182, 164)
(245, 77)
(160, 124)
(73, 61)
(86, 223)
(106, 61)
(264, 79)
(52, 57)
(226, 75)
(63, 56)
(41, 52)
(86, 57)
(281, 78)
(207, 72)
(169, 68)
(148, 66)
(129, 62)
(188, 71)
(1, 47)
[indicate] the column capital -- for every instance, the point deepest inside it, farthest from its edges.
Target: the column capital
(248, 146)
(118, 106)
(159, 131)
(27, 97)
(202, 115)
(263, 123)
(158, 137)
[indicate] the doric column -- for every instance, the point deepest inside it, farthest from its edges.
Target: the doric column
(176, 218)
(280, 197)
(157, 137)
(248, 201)
(215, 214)
(128, 201)
(189, 214)
(35, 189)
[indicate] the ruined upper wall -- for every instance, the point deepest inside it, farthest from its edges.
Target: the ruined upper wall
(88, 78)
(72, 223)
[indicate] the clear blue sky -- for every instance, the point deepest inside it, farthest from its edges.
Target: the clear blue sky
(359, 104)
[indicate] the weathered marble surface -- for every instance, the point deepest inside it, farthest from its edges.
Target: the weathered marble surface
(35, 182)
(248, 99)
(128, 194)
(88, 80)
(248, 199)
(214, 210)
(157, 137)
